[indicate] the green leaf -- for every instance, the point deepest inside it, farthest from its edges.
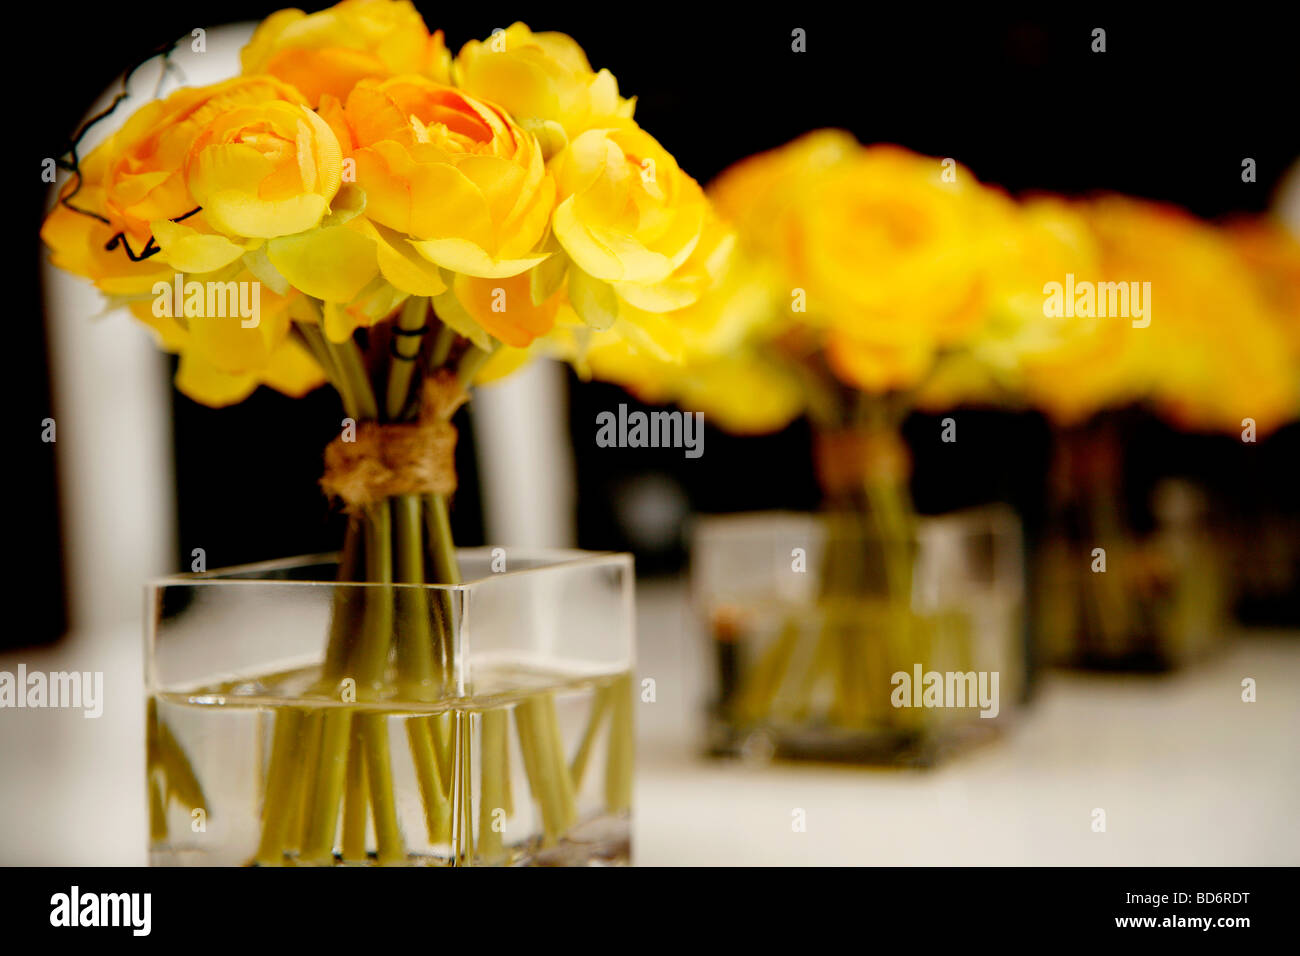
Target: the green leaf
(547, 278)
(594, 301)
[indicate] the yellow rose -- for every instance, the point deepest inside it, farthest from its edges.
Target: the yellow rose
(894, 252)
(763, 194)
(457, 175)
(222, 360)
(627, 213)
(329, 52)
(707, 355)
(888, 256)
(1069, 366)
(543, 79)
(1272, 254)
(136, 179)
(1207, 351)
(1066, 365)
(710, 305)
(266, 170)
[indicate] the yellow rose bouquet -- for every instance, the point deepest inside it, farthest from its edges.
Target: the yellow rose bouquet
(854, 284)
(1142, 305)
(360, 209)
(830, 283)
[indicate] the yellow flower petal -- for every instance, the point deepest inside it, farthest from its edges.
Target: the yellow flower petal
(463, 256)
(332, 264)
(187, 250)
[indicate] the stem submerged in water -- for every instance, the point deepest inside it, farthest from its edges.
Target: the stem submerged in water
(330, 781)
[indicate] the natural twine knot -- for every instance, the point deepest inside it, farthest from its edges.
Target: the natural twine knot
(385, 460)
(850, 457)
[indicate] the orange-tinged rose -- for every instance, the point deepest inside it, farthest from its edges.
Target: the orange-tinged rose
(329, 52)
(457, 175)
(265, 170)
(136, 179)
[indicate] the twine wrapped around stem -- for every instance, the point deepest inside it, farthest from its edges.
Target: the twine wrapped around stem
(385, 460)
(848, 457)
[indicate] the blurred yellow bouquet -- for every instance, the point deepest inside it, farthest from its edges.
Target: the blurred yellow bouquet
(359, 207)
(867, 281)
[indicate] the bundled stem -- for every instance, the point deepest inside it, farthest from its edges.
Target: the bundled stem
(865, 593)
(331, 767)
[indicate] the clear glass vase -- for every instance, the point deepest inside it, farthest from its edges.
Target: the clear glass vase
(1131, 573)
(515, 747)
(854, 672)
(1114, 598)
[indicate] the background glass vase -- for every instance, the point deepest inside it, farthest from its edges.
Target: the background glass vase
(519, 753)
(1131, 575)
(804, 670)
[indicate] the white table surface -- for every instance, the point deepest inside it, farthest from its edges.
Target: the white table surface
(1186, 772)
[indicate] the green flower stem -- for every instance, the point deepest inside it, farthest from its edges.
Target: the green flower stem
(327, 786)
(383, 804)
(370, 657)
(303, 776)
(332, 763)
(344, 613)
(621, 756)
(415, 651)
(367, 666)
(355, 803)
(599, 707)
(406, 349)
(494, 785)
(754, 702)
(463, 799)
(277, 806)
(421, 734)
(544, 764)
(157, 807)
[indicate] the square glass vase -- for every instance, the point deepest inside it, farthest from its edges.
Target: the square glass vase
(813, 656)
(296, 720)
(1111, 597)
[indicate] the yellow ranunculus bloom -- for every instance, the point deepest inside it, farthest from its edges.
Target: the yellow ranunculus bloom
(763, 195)
(1067, 366)
(1209, 351)
(222, 361)
(329, 52)
(263, 171)
(543, 79)
(457, 175)
(893, 252)
(705, 355)
(1272, 254)
(889, 257)
(627, 212)
(136, 180)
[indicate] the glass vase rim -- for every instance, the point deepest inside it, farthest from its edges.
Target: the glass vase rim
(555, 559)
(997, 513)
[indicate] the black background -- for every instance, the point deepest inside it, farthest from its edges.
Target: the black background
(1168, 111)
